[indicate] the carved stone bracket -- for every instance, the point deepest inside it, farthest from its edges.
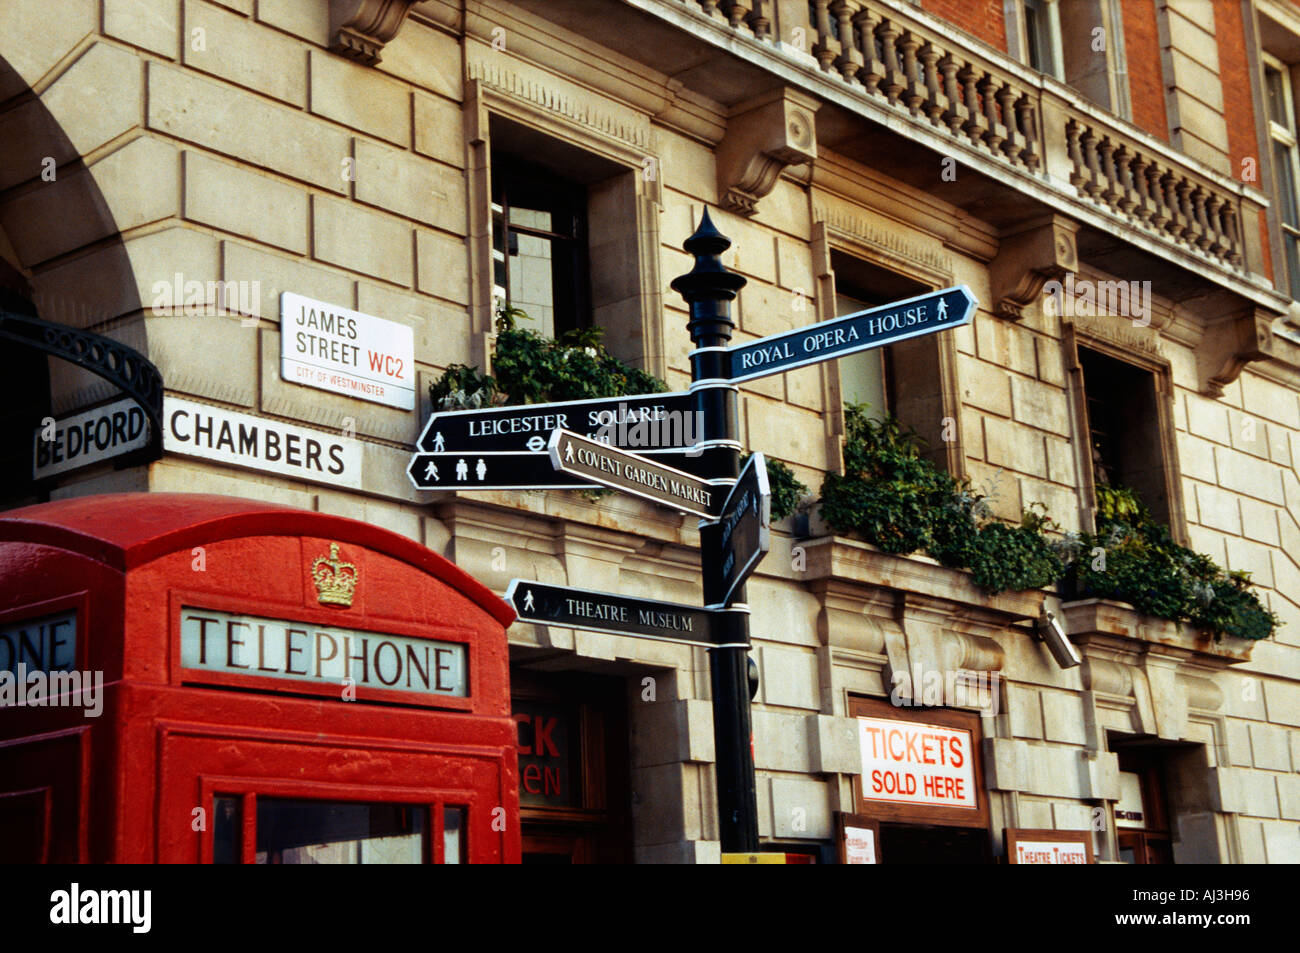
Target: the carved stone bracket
(1028, 257)
(764, 136)
(1229, 345)
(360, 28)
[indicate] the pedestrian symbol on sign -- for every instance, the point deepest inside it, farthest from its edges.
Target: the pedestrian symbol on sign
(462, 469)
(431, 471)
(438, 442)
(528, 600)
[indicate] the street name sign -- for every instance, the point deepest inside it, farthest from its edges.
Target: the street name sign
(346, 352)
(742, 533)
(90, 436)
(606, 612)
(632, 473)
(860, 331)
(640, 420)
(503, 470)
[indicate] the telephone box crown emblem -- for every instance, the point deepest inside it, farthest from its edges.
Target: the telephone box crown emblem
(335, 580)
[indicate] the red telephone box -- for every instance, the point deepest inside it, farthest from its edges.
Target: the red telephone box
(274, 686)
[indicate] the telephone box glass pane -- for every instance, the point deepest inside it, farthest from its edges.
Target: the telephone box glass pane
(453, 835)
(339, 832)
(226, 829)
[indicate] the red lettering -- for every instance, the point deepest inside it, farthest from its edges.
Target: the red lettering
(874, 735)
(960, 784)
(893, 734)
(912, 753)
(926, 742)
(954, 745)
(542, 728)
(552, 781)
(532, 776)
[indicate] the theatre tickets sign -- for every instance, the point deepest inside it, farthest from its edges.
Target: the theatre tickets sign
(908, 762)
(346, 352)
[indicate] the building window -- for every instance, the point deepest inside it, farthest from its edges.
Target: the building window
(906, 378)
(1126, 436)
(1042, 35)
(1286, 163)
(1142, 813)
(539, 247)
(571, 238)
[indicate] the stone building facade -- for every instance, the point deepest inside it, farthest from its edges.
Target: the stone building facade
(169, 168)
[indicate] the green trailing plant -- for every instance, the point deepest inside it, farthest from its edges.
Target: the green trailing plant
(895, 499)
(1133, 558)
(786, 488)
(532, 369)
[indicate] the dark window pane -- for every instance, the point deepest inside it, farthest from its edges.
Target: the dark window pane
(1285, 171)
(339, 832)
(1276, 92)
(227, 829)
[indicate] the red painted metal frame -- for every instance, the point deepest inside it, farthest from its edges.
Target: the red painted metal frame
(122, 787)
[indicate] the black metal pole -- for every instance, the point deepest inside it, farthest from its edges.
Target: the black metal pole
(709, 289)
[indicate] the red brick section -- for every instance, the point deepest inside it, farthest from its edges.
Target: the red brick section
(1238, 106)
(981, 18)
(1146, 82)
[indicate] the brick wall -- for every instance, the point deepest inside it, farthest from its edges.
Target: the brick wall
(1142, 51)
(980, 18)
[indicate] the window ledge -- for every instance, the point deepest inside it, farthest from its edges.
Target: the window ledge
(1113, 624)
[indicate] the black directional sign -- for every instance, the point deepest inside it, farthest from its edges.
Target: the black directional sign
(742, 532)
(606, 612)
(642, 421)
(497, 470)
(633, 473)
(860, 331)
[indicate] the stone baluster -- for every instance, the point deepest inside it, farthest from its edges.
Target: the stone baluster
(936, 99)
(850, 59)
(1182, 200)
(996, 131)
(1014, 143)
(1129, 197)
(1204, 238)
(736, 11)
(1218, 236)
(1078, 167)
(865, 22)
(914, 91)
(976, 122)
(760, 20)
(1145, 207)
(895, 80)
(710, 7)
(954, 113)
(1027, 121)
(827, 48)
(1232, 226)
(1113, 191)
(1173, 211)
(1093, 185)
(1162, 214)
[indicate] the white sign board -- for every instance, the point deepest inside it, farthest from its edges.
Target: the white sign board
(259, 443)
(276, 648)
(859, 845)
(912, 763)
(1051, 852)
(89, 437)
(346, 352)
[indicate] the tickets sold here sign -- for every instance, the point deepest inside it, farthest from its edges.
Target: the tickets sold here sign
(912, 763)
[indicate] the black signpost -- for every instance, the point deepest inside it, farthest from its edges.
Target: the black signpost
(607, 612)
(502, 448)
